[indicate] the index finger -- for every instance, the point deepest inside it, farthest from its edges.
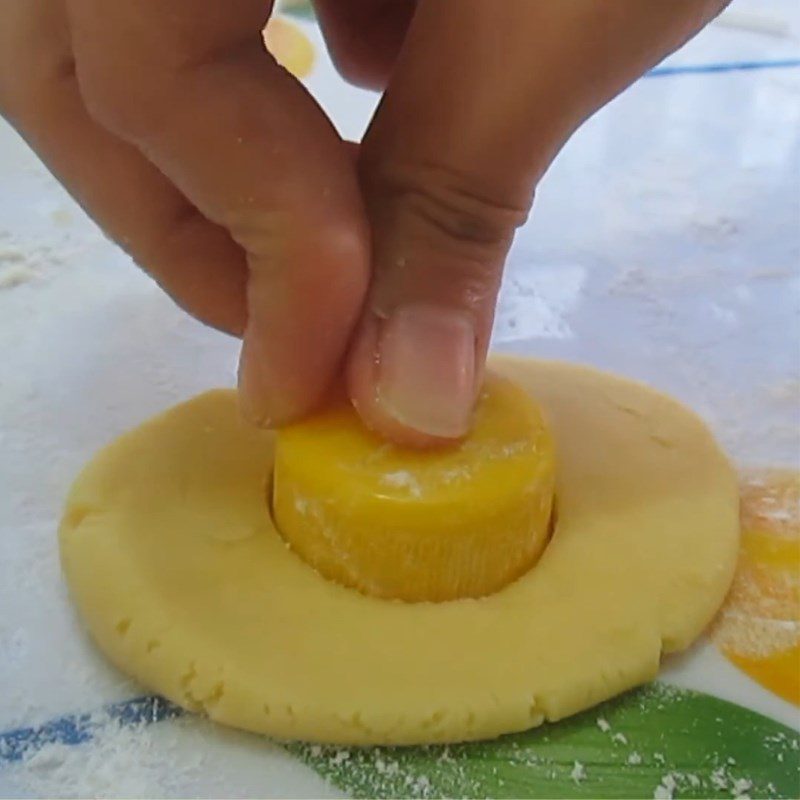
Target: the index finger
(191, 86)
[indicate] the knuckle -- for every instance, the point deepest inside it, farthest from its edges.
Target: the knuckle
(129, 93)
(138, 93)
(451, 206)
(262, 233)
(33, 86)
(113, 100)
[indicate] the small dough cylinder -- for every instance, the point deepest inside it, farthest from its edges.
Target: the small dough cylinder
(462, 521)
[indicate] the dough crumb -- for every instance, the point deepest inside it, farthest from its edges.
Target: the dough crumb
(603, 724)
(16, 276)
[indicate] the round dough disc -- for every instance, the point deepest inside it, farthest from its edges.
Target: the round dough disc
(185, 584)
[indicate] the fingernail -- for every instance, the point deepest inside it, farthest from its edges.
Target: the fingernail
(427, 368)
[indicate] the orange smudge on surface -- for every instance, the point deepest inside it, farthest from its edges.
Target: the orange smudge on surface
(758, 629)
(290, 47)
(779, 673)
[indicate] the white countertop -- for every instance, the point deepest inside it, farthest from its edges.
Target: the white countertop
(665, 245)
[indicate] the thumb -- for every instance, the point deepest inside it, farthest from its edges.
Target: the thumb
(445, 191)
(416, 363)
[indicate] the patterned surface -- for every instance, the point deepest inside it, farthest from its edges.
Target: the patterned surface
(664, 246)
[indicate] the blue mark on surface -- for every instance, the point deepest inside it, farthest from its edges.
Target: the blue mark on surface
(722, 66)
(75, 729)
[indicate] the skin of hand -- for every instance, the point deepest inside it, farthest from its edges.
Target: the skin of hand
(220, 175)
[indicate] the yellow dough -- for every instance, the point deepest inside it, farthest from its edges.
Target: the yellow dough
(184, 583)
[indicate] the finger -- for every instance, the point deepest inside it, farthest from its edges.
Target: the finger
(252, 151)
(365, 36)
(195, 261)
(478, 105)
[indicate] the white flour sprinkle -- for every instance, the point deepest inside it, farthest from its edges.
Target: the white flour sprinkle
(340, 757)
(120, 761)
(578, 773)
(422, 786)
(455, 474)
(719, 779)
(603, 724)
(537, 304)
(403, 479)
(668, 785)
(389, 768)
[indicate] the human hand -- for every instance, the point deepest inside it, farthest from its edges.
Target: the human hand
(225, 181)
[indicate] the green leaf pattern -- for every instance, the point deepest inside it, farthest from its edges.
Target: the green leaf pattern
(659, 742)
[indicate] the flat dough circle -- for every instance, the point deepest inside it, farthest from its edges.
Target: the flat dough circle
(186, 585)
